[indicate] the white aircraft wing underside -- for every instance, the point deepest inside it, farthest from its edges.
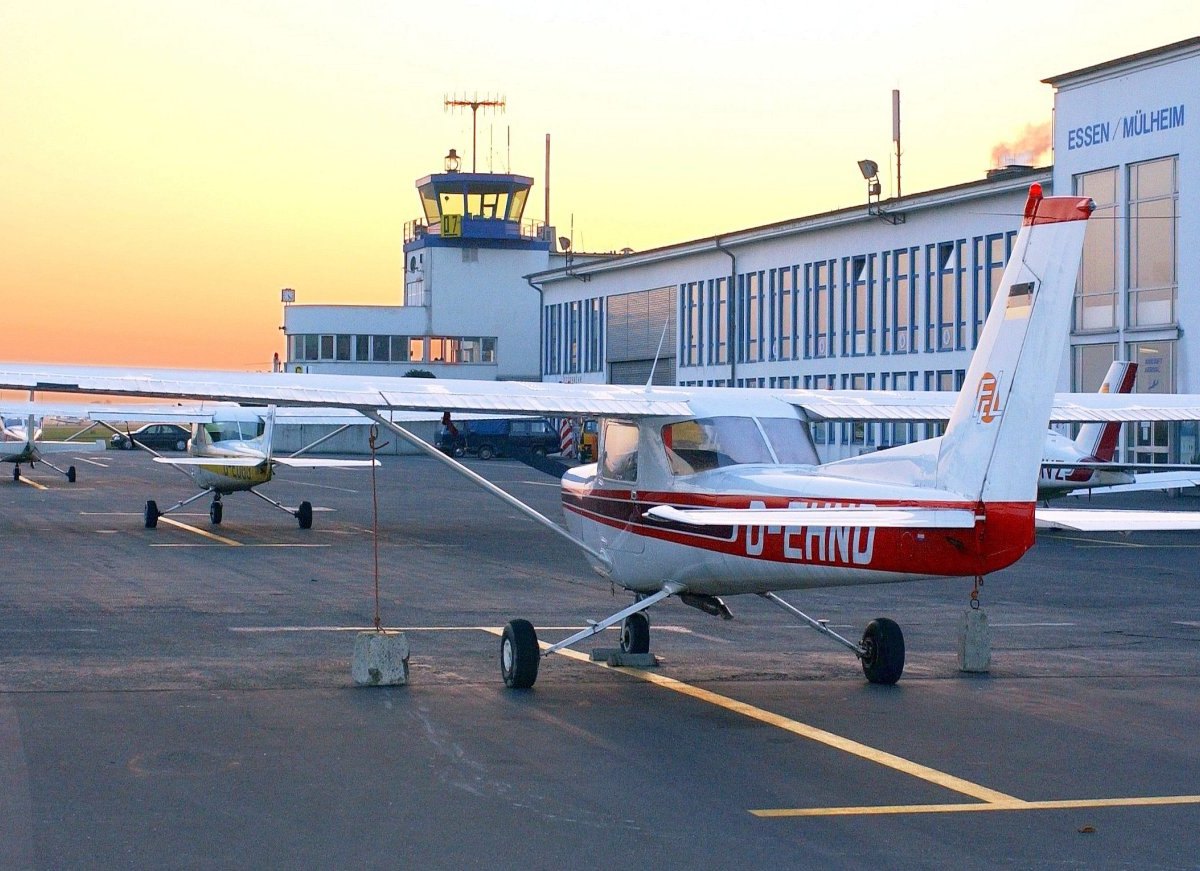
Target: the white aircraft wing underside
(942, 518)
(915, 405)
(1111, 520)
(414, 394)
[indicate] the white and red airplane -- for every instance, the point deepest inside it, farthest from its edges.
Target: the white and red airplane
(704, 493)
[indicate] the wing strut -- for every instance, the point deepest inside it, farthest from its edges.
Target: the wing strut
(512, 501)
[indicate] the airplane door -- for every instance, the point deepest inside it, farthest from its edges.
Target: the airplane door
(618, 470)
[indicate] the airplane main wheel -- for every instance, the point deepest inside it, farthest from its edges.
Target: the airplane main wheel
(519, 655)
(70, 474)
(304, 515)
(151, 514)
(635, 633)
(215, 512)
(16, 473)
(883, 659)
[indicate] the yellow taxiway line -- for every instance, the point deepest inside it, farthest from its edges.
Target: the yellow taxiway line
(1014, 805)
(988, 799)
(25, 480)
(222, 539)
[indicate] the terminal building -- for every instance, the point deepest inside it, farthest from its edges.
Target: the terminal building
(888, 295)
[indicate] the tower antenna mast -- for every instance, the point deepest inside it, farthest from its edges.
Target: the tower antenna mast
(474, 104)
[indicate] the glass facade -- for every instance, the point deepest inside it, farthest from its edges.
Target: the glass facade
(366, 348)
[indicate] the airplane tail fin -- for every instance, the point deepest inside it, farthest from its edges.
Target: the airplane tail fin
(992, 447)
(200, 441)
(268, 430)
(1099, 440)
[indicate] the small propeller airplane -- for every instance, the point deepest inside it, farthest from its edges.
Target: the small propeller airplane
(702, 493)
(21, 442)
(240, 459)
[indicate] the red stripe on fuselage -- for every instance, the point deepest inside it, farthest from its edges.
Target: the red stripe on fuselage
(1000, 538)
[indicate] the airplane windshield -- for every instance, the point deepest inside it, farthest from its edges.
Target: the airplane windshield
(230, 430)
(713, 442)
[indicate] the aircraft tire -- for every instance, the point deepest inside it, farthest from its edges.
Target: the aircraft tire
(635, 633)
(215, 512)
(70, 474)
(883, 662)
(16, 473)
(304, 515)
(519, 655)
(151, 514)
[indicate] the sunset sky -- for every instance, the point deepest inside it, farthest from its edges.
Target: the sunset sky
(166, 167)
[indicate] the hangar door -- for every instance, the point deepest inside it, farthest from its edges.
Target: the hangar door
(635, 327)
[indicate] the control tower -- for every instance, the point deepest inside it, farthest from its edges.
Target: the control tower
(466, 312)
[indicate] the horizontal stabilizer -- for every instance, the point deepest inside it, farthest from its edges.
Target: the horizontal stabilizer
(1088, 520)
(926, 518)
(245, 462)
(1190, 468)
(323, 463)
(1152, 481)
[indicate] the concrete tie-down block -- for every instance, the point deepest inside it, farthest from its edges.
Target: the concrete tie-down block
(974, 641)
(380, 659)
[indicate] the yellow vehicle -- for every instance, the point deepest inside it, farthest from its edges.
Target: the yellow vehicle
(588, 441)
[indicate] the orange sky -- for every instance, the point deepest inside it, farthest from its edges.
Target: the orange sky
(166, 167)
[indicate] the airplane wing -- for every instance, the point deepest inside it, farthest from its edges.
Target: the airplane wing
(177, 413)
(352, 391)
(44, 447)
(917, 405)
(942, 518)
(1105, 520)
(541, 398)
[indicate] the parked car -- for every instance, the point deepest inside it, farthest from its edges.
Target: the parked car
(158, 436)
(501, 438)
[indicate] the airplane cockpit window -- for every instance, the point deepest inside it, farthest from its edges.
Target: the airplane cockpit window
(713, 442)
(619, 451)
(790, 440)
(234, 430)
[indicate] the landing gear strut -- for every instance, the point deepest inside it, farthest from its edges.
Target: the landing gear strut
(520, 652)
(881, 650)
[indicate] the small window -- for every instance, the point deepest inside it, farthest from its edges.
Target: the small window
(619, 453)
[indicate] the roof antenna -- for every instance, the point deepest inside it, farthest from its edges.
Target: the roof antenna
(661, 339)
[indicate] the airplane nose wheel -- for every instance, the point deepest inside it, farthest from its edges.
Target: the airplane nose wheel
(883, 651)
(215, 511)
(519, 655)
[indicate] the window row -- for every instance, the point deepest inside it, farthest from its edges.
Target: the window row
(304, 347)
(932, 297)
(573, 337)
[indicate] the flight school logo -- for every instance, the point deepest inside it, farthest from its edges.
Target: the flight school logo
(987, 398)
